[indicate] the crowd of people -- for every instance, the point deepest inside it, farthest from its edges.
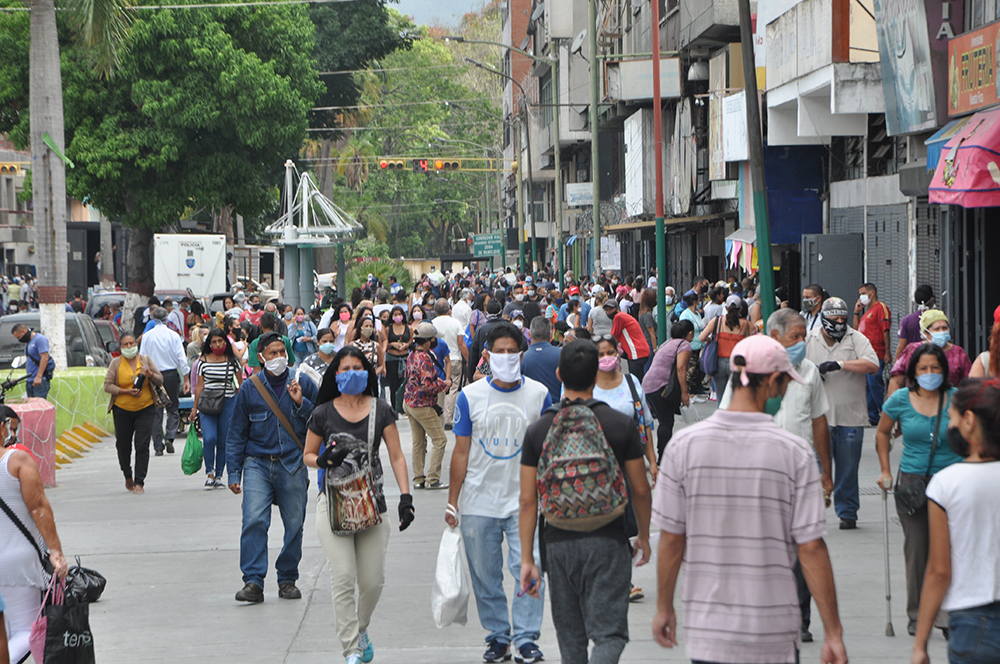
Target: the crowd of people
(533, 373)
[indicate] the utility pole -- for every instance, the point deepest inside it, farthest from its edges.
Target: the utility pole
(520, 197)
(595, 169)
(755, 145)
(553, 49)
(661, 235)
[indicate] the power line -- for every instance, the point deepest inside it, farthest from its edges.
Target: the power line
(394, 105)
(211, 5)
(450, 124)
(361, 71)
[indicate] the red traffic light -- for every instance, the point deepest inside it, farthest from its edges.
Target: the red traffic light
(447, 165)
(391, 164)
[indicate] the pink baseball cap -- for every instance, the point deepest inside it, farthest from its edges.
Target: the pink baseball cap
(760, 354)
(996, 315)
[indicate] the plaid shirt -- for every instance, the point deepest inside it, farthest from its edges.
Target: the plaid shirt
(422, 382)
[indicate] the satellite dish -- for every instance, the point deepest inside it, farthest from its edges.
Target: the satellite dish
(578, 42)
(537, 14)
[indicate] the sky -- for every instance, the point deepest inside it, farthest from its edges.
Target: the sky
(426, 12)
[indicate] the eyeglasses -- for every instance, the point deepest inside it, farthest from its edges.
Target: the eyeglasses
(604, 337)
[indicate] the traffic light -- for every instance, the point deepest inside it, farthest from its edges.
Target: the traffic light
(419, 165)
(11, 169)
(447, 165)
(391, 164)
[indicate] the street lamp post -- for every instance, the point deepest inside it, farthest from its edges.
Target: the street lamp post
(595, 98)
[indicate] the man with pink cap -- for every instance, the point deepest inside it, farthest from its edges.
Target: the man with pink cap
(738, 491)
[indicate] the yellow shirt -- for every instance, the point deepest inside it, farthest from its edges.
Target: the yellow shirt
(126, 377)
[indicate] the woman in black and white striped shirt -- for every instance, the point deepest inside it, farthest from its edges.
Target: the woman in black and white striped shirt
(219, 372)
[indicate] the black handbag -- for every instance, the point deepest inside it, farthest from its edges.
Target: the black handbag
(672, 391)
(42, 555)
(211, 400)
(912, 497)
(85, 584)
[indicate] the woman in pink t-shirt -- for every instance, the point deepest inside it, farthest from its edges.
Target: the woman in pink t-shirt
(936, 330)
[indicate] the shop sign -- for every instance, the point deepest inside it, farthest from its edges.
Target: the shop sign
(972, 75)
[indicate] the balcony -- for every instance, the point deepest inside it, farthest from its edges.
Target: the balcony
(710, 23)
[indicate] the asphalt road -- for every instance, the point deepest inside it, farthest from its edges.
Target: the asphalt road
(171, 557)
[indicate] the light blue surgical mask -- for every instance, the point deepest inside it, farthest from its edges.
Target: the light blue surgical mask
(352, 382)
(796, 353)
(328, 348)
(940, 339)
(930, 381)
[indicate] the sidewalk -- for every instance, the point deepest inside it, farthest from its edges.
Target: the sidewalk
(171, 557)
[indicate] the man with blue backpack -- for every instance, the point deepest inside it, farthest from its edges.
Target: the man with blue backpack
(582, 467)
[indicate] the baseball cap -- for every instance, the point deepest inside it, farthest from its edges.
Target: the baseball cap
(834, 306)
(996, 315)
(733, 300)
(574, 290)
(760, 354)
(610, 304)
(425, 331)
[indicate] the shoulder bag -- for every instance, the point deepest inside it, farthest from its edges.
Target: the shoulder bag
(211, 399)
(644, 433)
(672, 391)
(710, 353)
(269, 400)
(42, 556)
(912, 497)
(350, 488)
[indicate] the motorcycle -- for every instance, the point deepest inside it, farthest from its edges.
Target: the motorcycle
(6, 386)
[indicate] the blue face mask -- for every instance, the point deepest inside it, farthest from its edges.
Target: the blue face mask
(796, 353)
(328, 348)
(352, 382)
(940, 339)
(930, 381)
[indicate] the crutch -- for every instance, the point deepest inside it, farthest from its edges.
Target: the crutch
(888, 589)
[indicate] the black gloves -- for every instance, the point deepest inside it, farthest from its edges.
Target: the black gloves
(829, 366)
(405, 511)
(332, 457)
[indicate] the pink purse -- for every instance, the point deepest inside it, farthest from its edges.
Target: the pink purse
(36, 641)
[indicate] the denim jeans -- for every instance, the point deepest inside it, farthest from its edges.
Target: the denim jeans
(214, 430)
(265, 480)
(483, 537)
(876, 393)
(845, 449)
(41, 391)
(974, 635)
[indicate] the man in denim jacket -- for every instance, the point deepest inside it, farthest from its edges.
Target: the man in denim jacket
(265, 463)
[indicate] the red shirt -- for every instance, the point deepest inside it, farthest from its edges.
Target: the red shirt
(626, 330)
(252, 316)
(874, 324)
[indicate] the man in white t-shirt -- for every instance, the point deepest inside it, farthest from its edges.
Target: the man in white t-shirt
(462, 311)
(491, 418)
(453, 334)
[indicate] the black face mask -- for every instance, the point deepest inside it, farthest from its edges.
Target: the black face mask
(958, 444)
(255, 306)
(25, 338)
(837, 331)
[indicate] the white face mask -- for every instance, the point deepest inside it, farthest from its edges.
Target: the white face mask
(506, 367)
(865, 299)
(277, 365)
(519, 324)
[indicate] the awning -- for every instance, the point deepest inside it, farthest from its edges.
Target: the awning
(968, 172)
(669, 221)
(570, 241)
(741, 250)
(936, 142)
(743, 235)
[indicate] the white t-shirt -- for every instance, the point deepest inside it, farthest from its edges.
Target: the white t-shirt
(620, 398)
(450, 330)
(496, 420)
(801, 403)
(462, 312)
(969, 494)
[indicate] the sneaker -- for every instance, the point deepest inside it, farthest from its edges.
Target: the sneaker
(209, 482)
(911, 628)
(170, 446)
(635, 594)
(354, 658)
(289, 591)
(848, 524)
(367, 651)
(159, 453)
(219, 484)
(528, 653)
(251, 593)
(497, 652)
(419, 485)
(448, 427)
(437, 484)
(806, 636)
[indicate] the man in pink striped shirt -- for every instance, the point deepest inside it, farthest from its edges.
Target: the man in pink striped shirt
(736, 496)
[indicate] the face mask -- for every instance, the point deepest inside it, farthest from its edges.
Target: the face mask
(796, 353)
(276, 366)
(397, 319)
(288, 316)
(940, 339)
(367, 331)
(418, 314)
(922, 308)
(129, 353)
(607, 363)
(531, 293)
(328, 348)
(219, 351)
(865, 299)
(519, 297)
(930, 381)
(506, 367)
(352, 382)
(668, 300)
(344, 316)
(25, 338)
(299, 319)
(837, 331)
(255, 306)
(958, 444)
(809, 303)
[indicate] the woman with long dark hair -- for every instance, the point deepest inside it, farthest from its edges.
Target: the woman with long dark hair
(342, 435)
(365, 338)
(396, 346)
(218, 367)
(478, 318)
(728, 330)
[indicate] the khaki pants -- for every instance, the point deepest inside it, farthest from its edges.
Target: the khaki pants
(447, 401)
(425, 422)
(356, 562)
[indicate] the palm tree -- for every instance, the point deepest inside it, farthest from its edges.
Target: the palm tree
(102, 27)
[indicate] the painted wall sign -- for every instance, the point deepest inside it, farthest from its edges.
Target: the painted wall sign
(972, 75)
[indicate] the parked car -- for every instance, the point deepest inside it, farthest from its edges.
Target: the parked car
(84, 347)
(111, 334)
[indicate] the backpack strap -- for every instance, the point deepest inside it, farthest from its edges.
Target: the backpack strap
(636, 401)
(269, 400)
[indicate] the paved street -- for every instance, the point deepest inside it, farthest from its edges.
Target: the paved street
(172, 561)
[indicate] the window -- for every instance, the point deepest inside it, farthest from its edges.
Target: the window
(539, 204)
(507, 71)
(847, 158)
(983, 12)
(885, 153)
(546, 98)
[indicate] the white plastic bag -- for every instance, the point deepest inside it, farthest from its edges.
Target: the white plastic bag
(690, 415)
(450, 595)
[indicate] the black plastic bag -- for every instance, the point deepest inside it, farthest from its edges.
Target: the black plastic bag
(86, 585)
(67, 636)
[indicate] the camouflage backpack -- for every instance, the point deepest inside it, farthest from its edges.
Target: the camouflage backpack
(580, 485)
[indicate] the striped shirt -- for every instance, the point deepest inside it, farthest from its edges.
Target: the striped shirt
(745, 493)
(215, 374)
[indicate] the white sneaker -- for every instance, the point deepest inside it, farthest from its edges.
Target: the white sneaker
(354, 658)
(209, 482)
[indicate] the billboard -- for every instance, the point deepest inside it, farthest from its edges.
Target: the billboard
(972, 76)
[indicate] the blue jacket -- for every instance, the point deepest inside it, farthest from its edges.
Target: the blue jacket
(254, 430)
